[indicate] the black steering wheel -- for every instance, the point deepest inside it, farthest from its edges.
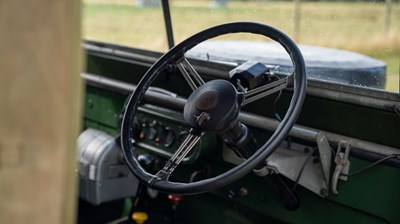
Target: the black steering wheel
(214, 107)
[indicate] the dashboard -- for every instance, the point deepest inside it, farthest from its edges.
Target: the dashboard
(332, 117)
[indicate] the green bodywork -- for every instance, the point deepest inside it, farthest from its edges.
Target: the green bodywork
(370, 197)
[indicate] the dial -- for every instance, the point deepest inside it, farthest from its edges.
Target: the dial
(151, 132)
(167, 137)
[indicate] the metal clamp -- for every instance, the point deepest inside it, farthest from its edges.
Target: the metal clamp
(342, 164)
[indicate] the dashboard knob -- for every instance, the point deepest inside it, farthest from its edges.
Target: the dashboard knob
(140, 217)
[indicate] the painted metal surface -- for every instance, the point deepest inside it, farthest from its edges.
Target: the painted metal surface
(370, 197)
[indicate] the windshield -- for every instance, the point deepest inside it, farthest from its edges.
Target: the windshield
(363, 36)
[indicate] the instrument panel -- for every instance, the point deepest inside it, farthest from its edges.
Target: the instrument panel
(161, 131)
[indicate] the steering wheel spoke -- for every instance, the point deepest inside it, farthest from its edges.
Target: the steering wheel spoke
(187, 145)
(190, 74)
(268, 89)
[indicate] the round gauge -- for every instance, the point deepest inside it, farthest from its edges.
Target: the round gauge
(167, 137)
(151, 132)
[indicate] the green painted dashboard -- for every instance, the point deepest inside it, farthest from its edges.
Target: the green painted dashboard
(369, 197)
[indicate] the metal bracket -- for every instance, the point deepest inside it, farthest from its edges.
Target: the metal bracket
(288, 162)
(325, 157)
(342, 164)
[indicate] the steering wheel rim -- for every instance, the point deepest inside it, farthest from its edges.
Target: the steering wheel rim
(177, 52)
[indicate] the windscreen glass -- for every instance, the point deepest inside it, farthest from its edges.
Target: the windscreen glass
(353, 42)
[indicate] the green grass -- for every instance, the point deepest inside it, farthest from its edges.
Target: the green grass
(352, 26)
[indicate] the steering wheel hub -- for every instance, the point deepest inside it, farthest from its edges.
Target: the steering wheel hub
(219, 100)
(207, 100)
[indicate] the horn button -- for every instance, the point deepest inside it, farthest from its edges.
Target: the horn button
(213, 107)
